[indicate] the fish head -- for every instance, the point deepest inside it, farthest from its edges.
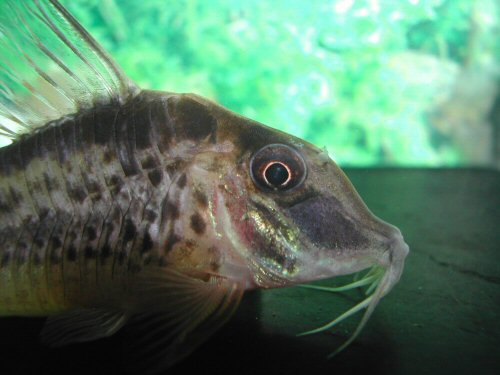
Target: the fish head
(289, 212)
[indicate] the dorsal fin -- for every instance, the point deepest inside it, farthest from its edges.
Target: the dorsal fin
(50, 67)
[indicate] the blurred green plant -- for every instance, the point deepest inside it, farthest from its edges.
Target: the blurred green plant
(363, 78)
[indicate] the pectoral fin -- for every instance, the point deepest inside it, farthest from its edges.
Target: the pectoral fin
(81, 325)
(180, 313)
(169, 315)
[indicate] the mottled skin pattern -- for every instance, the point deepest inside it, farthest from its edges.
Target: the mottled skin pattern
(90, 201)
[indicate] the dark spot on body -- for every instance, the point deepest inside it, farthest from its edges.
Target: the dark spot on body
(115, 189)
(37, 259)
(56, 242)
(174, 167)
(91, 233)
(155, 177)
(115, 180)
(5, 260)
(10, 157)
(122, 256)
(103, 122)
(106, 251)
(35, 185)
(55, 257)
(43, 212)
(4, 207)
(181, 182)
(125, 145)
(96, 196)
(89, 252)
(77, 194)
(50, 182)
(129, 232)
(85, 124)
(201, 198)
(93, 186)
(147, 243)
(15, 195)
(142, 127)
(170, 211)
(161, 125)
(198, 224)
(107, 157)
(47, 141)
(115, 184)
(28, 149)
(150, 216)
(149, 162)
(38, 242)
(192, 119)
(172, 239)
(214, 265)
(72, 253)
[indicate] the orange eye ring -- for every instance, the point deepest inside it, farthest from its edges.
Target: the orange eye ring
(277, 167)
(274, 171)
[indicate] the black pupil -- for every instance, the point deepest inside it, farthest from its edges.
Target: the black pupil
(276, 174)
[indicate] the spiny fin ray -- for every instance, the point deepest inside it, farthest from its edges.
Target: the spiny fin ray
(81, 325)
(179, 313)
(50, 67)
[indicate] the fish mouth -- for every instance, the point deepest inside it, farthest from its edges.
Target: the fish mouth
(380, 279)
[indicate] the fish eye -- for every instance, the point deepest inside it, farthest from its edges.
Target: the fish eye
(277, 167)
(277, 174)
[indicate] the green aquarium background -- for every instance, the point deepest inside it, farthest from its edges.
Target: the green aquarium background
(376, 82)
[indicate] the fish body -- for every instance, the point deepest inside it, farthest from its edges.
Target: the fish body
(124, 205)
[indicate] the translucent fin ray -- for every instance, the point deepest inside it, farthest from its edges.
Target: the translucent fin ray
(50, 67)
(179, 312)
(81, 325)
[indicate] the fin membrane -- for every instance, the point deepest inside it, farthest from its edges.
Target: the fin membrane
(81, 326)
(180, 313)
(50, 67)
(169, 314)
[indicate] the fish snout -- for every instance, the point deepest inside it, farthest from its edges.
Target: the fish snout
(389, 239)
(393, 258)
(398, 248)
